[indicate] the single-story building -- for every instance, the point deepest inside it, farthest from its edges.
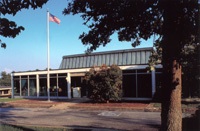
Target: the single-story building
(138, 84)
(5, 91)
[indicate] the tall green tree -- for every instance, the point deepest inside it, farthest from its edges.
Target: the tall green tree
(5, 79)
(174, 21)
(12, 7)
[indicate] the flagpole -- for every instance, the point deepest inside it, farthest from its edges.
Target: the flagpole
(48, 60)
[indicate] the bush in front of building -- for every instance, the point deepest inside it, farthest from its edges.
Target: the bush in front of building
(104, 83)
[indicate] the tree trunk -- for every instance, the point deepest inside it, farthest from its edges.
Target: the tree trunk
(171, 114)
(171, 104)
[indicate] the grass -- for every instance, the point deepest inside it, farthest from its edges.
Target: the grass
(6, 127)
(184, 105)
(2, 100)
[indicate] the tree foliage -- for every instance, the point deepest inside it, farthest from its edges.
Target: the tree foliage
(104, 83)
(11, 7)
(190, 71)
(5, 79)
(190, 63)
(175, 22)
(132, 20)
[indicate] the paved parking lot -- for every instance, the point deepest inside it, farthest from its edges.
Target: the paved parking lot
(82, 118)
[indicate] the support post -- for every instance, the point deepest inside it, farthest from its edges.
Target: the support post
(12, 86)
(20, 85)
(69, 85)
(37, 85)
(153, 80)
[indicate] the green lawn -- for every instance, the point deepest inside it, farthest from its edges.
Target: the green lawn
(9, 99)
(184, 105)
(5, 127)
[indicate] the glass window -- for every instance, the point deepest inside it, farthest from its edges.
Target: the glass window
(53, 86)
(53, 75)
(16, 77)
(62, 87)
(128, 71)
(129, 85)
(144, 85)
(6, 92)
(142, 71)
(32, 87)
(43, 76)
(62, 75)
(43, 87)
(76, 82)
(24, 87)
(32, 77)
(24, 77)
(158, 86)
(16, 88)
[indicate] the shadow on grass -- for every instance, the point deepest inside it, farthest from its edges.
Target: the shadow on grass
(7, 127)
(192, 123)
(90, 128)
(6, 105)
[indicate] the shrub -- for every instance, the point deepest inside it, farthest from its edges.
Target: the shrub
(104, 83)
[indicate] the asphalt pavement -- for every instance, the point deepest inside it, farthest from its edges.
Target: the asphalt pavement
(82, 118)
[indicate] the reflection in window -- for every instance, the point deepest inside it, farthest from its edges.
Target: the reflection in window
(24, 87)
(53, 87)
(32, 87)
(62, 84)
(43, 87)
(16, 87)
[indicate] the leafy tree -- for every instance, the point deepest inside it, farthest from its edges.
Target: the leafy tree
(11, 7)
(190, 72)
(5, 79)
(190, 63)
(104, 83)
(174, 21)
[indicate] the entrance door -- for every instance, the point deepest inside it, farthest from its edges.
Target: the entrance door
(78, 81)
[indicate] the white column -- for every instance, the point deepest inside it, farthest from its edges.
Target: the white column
(12, 85)
(20, 85)
(57, 85)
(68, 78)
(28, 85)
(37, 85)
(153, 78)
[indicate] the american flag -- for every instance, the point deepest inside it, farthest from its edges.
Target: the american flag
(54, 18)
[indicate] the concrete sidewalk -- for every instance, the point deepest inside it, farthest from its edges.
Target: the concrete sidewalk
(69, 103)
(77, 103)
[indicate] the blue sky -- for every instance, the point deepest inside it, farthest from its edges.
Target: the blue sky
(28, 51)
